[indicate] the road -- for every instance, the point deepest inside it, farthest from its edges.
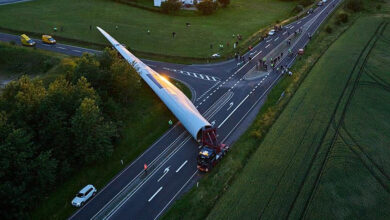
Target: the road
(223, 94)
(8, 2)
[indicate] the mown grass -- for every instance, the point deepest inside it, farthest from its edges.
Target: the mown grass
(285, 177)
(199, 202)
(243, 17)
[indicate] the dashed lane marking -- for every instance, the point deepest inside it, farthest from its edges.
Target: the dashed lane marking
(151, 198)
(196, 75)
(178, 169)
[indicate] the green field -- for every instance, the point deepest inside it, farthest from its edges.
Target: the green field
(327, 156)
(244, 17)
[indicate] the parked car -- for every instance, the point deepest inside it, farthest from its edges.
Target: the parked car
(26, 41)
(320, 3)
(324, 1)
(216, 55)
(47, 39)
(271, 32)
(84, 195)
(311, 10)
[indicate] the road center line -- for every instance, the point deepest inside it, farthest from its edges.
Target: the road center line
(151, 198)
(178, 169)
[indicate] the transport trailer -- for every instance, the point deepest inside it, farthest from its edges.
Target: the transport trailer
(184, 110)
(211, 151)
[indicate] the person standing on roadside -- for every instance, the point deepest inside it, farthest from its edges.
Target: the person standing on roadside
(146, 168)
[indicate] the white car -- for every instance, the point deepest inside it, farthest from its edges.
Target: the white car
(82, 197)
(324, 1)
(216, 55)
(271, 32)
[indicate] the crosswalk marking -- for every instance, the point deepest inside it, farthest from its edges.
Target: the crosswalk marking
(196, 75)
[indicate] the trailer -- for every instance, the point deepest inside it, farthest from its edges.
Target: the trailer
(178, 103)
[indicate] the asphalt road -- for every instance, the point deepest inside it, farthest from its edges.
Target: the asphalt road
(8, 2)
(222, 94)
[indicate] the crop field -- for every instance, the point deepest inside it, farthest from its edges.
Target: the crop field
(327, 156)
(77, 19)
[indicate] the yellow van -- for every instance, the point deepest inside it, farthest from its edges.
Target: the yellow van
(47, 39)
(26, 41)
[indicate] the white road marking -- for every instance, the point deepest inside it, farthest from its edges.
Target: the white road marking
(178, 169)
(292, 27)
(61, 48)
(151, 198)
(276, 39)
(285, 33)
(299, 22)
(185, 184)
(46, 45)
(230, 105)
(80, 52)
(165, 173)
(267, 45)
(223, 122)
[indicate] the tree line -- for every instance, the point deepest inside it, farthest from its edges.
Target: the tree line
(49, 130)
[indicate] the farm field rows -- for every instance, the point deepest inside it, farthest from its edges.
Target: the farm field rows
(327, 155)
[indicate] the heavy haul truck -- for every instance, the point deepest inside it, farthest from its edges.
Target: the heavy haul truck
(177, 102)
(211, 151)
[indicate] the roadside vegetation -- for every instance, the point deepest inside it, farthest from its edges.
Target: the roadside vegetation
(273, 170)
(69, 123)
(148, 33)
(28, 62)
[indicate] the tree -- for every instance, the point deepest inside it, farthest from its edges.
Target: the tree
(124, 81)
(171, 6)
(207, 7)
(92, 135)
(224, 3)
(24, 174)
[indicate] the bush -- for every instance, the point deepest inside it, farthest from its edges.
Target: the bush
(342, 17)
(171, 6)
(224, 3)
(354, 5)
(306, 2)
(298, 8)
(328, 29)
(378, 7)
(207, 7)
